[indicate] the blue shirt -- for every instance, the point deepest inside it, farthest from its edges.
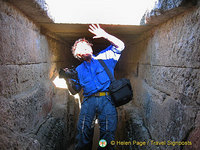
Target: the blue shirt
(92, 77)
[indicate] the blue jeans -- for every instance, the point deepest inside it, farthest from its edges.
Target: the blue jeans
(102, 108)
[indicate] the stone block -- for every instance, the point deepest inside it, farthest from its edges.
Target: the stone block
(59, 52)
(27, 97)
(29, 75)
(180, 83)
(17, 112)
(51, 134)
(162, 10)
(8, 81)
(197, 121)
(194, 138)
(13, 140)
(20, 39)
(165, 113)
(168, 119)
(21, 46)
(175, 43)
(35, 9)
(18, 78)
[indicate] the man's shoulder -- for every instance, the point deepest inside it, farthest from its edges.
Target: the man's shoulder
(109, 53)
(110, 48)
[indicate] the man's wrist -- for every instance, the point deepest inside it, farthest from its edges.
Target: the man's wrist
(106, 36)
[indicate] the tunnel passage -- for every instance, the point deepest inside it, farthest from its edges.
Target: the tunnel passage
(162, 60)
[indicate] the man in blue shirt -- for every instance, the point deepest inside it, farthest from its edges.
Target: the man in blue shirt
(94, 80)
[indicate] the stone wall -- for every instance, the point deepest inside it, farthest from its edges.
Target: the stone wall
(164, 67)
(33, 113)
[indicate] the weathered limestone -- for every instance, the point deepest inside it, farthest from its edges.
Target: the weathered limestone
(165, 72)
(162, 10)
(37, 10)
(162, 63)
(33, 113)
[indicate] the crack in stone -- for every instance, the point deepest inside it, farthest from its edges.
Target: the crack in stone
(30, 63)
(170, 66)
(47, 118)
(147, 129)
(189, 131)
(151, 86)
(23, 64)
(35, 132)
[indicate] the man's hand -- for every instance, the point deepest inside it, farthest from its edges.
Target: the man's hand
(97, 31)
(68, 73)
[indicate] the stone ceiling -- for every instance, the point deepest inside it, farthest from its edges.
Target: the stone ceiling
(37, 10)
(71, 32)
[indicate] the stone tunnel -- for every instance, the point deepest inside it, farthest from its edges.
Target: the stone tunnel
(161, 58)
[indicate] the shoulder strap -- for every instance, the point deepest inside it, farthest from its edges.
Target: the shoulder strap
(106, 69)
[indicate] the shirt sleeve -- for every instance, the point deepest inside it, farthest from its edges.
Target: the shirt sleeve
(116, 50)
(111, 52)
(75, 85)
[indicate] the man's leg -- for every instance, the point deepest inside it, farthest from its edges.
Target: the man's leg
(85, 127)
(107, 115)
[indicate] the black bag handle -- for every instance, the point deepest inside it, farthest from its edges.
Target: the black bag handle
(106, 69)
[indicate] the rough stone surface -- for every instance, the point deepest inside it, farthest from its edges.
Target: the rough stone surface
(162, 10)
(36, 10)
(33, 113)
(194, 136)
(164, 67)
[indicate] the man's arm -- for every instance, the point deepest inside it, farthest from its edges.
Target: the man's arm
(100, 33)
(71, 78)
(74, 86)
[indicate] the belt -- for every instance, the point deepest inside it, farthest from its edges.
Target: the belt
(101, 94)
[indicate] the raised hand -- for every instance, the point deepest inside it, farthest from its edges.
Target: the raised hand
(97, 31)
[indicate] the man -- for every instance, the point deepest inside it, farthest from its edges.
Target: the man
(94, 80)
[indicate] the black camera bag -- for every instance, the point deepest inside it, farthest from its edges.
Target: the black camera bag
(120, 90)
